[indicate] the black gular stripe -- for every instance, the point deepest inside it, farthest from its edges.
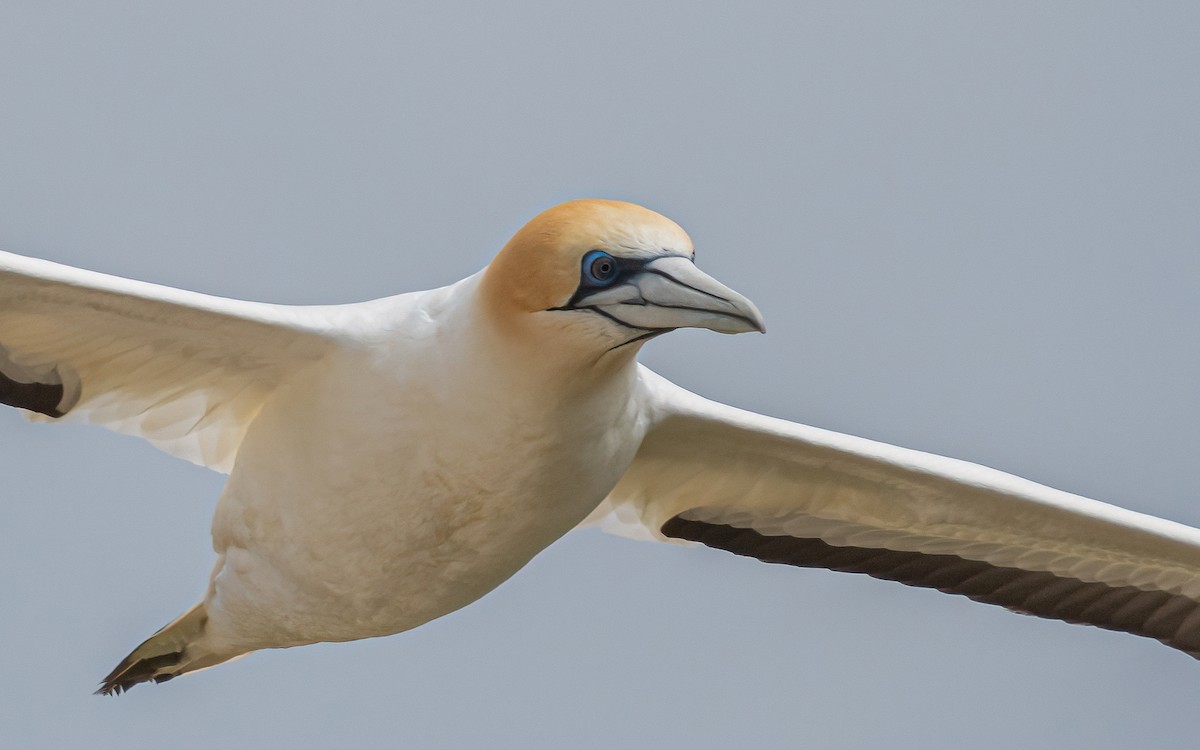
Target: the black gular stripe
(1170, 618)
(43, 398)
(636, 339)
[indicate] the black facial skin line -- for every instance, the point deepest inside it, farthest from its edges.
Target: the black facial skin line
(610, 316)
(649, 332)
(625, 267)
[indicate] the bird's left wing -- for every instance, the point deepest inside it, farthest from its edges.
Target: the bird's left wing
(186, 371)
(788, 493)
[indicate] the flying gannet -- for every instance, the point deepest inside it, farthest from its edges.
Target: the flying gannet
(392, 461)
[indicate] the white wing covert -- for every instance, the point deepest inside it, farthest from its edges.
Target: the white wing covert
(788, 493)
(186, 371)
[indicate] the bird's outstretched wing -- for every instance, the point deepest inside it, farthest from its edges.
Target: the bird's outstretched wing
(186, 371)
(787, 493)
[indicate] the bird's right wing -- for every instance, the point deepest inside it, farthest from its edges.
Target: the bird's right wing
(788, 493)
(186, 371)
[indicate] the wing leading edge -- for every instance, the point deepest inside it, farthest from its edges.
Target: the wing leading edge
(791, 494)
(186, 371)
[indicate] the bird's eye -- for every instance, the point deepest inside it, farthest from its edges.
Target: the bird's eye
(599, 268)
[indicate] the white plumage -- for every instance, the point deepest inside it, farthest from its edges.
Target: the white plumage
(186, 371)
(394, 460)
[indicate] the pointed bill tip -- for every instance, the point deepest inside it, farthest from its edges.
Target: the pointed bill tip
(670, 292)
(744, 319)
(752, 316)
(762, 324)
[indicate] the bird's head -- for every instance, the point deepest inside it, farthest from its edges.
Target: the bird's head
(605, 276)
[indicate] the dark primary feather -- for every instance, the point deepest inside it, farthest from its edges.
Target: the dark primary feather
(1170, 618)
(43, 398)
(133, 671)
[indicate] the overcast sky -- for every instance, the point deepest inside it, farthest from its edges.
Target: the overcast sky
(972, 230)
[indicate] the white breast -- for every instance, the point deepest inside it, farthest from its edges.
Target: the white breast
(402, 478)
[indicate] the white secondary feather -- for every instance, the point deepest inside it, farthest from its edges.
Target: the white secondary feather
(720, 465)
(186, 371)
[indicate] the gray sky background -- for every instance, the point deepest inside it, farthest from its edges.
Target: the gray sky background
(973, 230)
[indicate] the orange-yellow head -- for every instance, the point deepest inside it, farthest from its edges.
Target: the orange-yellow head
(608, 274)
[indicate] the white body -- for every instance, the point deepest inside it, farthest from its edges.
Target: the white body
(392, 461)
(403, 477)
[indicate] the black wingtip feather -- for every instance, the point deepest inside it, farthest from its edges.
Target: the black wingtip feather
(132, 672)
(43, 398)
(1170, 618)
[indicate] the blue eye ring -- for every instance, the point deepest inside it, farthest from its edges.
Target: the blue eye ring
(600, 268)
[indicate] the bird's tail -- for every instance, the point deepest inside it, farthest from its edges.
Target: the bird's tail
(174, 650)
